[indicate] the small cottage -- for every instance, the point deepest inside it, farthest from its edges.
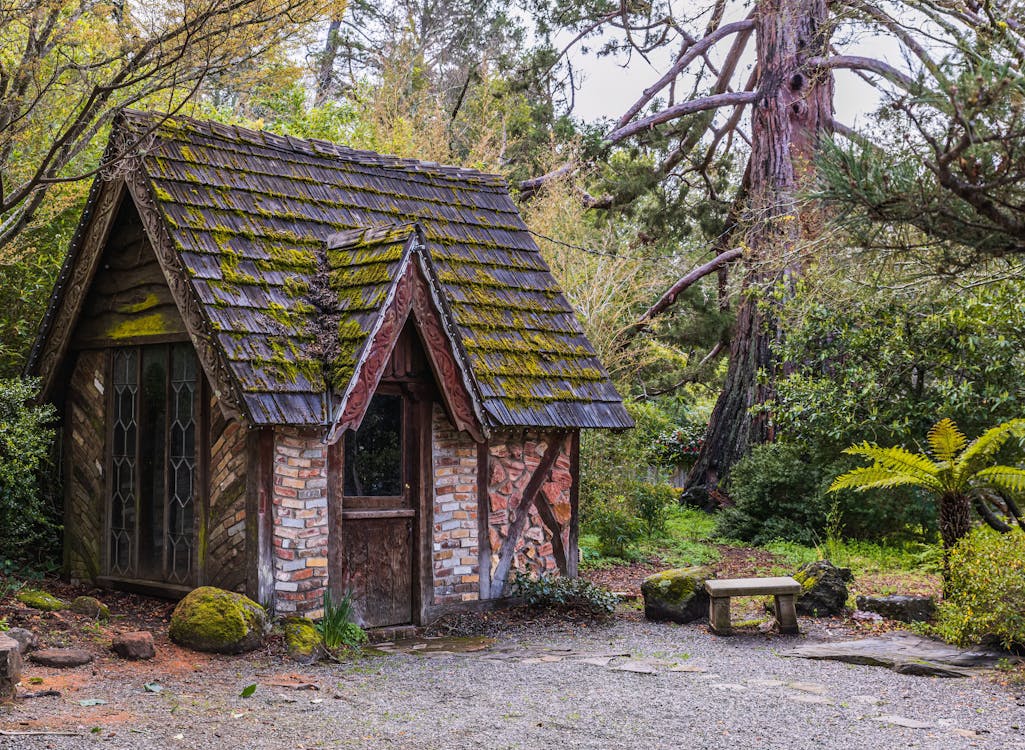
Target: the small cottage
(285, 367)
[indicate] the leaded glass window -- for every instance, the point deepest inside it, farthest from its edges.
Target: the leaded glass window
(153, 463)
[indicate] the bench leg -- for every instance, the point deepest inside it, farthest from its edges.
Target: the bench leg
(786, 613)
(719, 615)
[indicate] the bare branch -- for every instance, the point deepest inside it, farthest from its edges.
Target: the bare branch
(694, 52)
(854, 62)
(683, 109)
(669, 298)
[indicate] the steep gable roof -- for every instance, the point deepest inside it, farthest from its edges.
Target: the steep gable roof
(247, 216)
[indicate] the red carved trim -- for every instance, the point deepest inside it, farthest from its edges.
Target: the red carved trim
(446, 370)
(373, 365)
(412, 292)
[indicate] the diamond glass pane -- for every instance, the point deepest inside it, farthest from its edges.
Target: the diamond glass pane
(180, 503)
(123, 464)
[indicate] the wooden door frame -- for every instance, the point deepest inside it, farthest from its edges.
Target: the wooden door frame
(418, 400)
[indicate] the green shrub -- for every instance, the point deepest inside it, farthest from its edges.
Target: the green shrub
(28, 525)
(612, 462)
(616, 527)
(565, 594)
(653, 504)
(779, 493)
(337, 628)
(986, 591)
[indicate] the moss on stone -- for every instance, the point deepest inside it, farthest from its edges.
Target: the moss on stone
(90, 606)
(41, 600)
(212, 619)
(302, 639)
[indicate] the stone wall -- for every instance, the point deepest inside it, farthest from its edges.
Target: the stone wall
(300, 537)
(225, 523)
(513, 459)
(456, 552)
(85, 436)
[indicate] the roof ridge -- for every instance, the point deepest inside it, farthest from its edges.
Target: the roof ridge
(289, 143)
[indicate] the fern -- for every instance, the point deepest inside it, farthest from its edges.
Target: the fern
(957, 475)
(871, 478)
(901, 461)
(1008, 478)
(987, 445)
(946, 441)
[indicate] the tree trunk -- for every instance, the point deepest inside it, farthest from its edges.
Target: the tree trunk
(786, 121)
(955, 523)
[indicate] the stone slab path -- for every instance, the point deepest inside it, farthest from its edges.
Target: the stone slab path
(906, 653)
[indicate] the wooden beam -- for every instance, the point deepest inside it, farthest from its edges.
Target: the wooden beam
(483, 511)
(541, 473)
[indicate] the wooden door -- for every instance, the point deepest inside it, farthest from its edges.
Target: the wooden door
(379, 511)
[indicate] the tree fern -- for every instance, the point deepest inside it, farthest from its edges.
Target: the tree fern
(987, 445)
(871, 478)
(946, 441)
(902, 461)
(957, 474)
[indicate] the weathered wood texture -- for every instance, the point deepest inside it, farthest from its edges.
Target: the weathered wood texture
(530, 505)
(85, 438)
(225, 528)
(377, 569)
(129, 300)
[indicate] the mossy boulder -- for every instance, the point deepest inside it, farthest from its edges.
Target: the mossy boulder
(823, 588)
(678, 595)
(212, 619)
(41, 600)
(90, 606)
(302, 640)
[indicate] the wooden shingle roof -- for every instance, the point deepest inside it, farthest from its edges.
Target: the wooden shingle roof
(250, 214)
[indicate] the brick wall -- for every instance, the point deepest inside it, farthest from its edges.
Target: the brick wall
(455, 553)
(300, 536)
(85, 436)
(225, 523)
(513, 459)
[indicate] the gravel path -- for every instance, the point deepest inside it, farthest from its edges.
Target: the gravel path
(535, 689)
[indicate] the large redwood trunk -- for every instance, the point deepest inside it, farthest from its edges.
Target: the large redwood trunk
(786, 123)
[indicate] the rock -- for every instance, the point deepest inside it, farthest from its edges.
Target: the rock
(40, 600)
(61, 658)
(903, 608)
(678, 595)
(212, 619)
(26, 639)
(90, 606)
(906, 653)
(135, 646)
(302, 640)
(10, 667)
(823, 589)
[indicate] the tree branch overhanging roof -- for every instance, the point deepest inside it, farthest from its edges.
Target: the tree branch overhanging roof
(271, 232)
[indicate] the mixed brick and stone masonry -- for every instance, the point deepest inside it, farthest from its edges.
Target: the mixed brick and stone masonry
(469, 524)
(460, 575)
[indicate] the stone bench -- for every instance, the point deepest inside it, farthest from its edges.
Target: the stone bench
(10, 667)
(783, 588)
